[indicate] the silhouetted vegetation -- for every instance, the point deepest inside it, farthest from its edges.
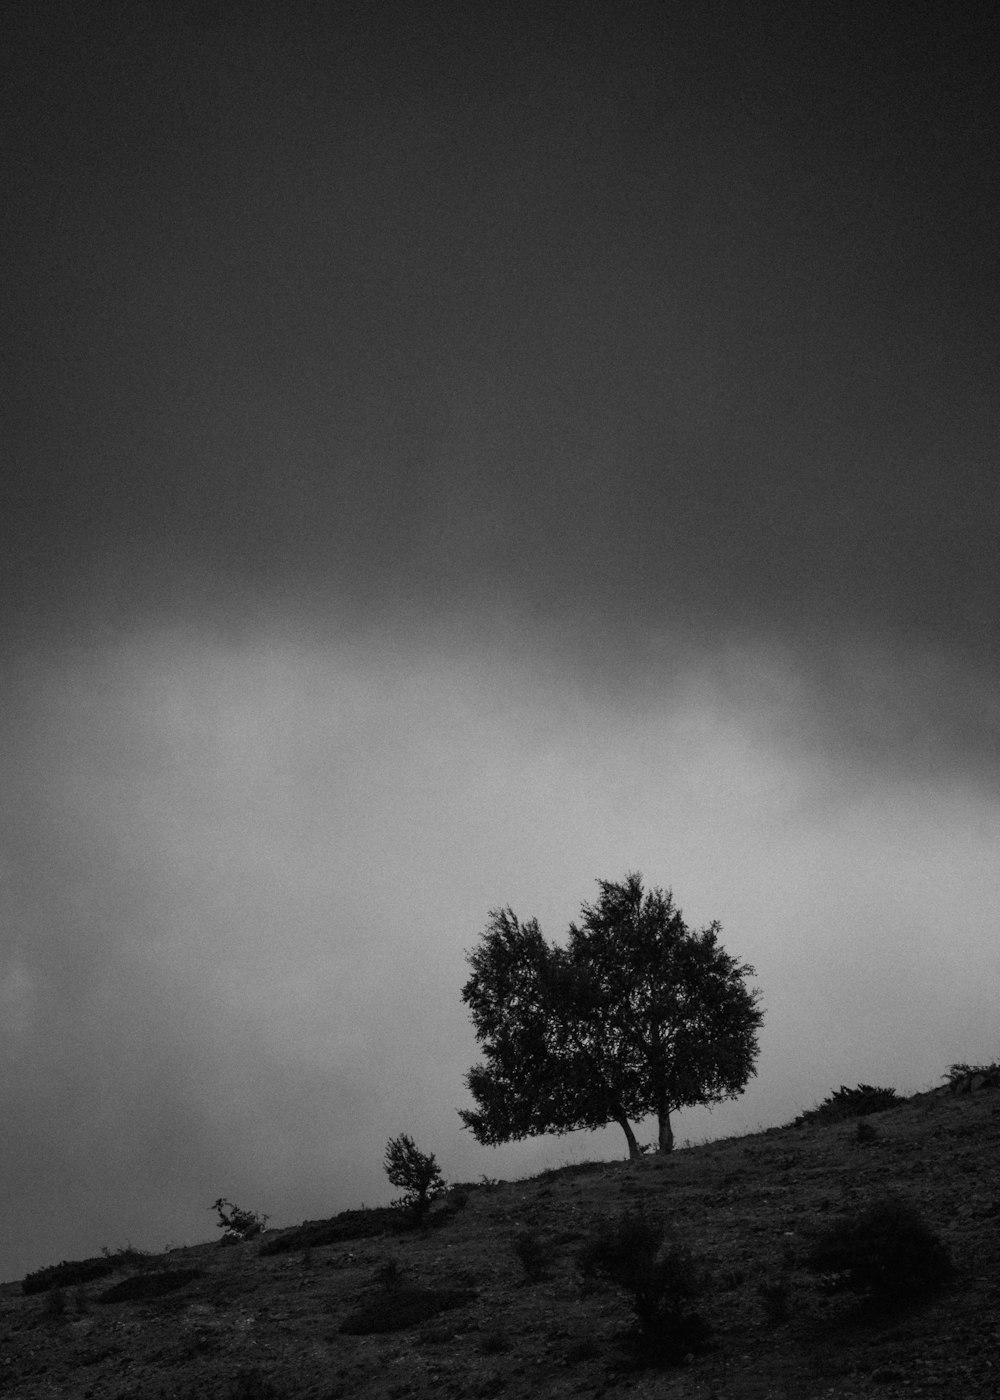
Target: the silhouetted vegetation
(251, 1384)
(55, 1302)
(785, 1271)
(637, 1015)
(532, 1254)
(63, 1275)
(775, 1294)
(887, 1251)
(846, 1103)
(389, 1275)
(348, 1225)
(142, 1286)
(660, 1277)
(396, 1308)
(127, 1257)
(963, 1077)
(416, 1172)
(237, 1224)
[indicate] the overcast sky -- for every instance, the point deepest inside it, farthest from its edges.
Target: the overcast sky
(450, 458)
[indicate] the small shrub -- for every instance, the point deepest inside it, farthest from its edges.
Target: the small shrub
(849, 1103)
(962, 1071)
(887, 1251)
(348, 1225)
(775, 1295)
(251, 1384)
(128, 1257)
(55, 1302)
(140, 1287)
(865, 1133)
(64, 1275)
(586, 1350)
(416, 1172)
(659, 1275)
(531, 1253)
(237, 1224)
(388, 1275)
(396, 1309)
(963, 1078)
(493, 1343)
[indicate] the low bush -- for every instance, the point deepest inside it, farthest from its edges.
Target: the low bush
(962, 1077)
(659, 1275)
(69, 1272)
(586, 1350)
(348, 1225)
(531, 1253)
(128, 1258)
(251, 1384)
(887, 1251)
(849, 1103)
(143, 1286)
(389, 1275)
(55, 1302)
(775, 1295)
(395, 1309)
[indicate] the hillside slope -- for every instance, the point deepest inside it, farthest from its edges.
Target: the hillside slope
(257, 1321)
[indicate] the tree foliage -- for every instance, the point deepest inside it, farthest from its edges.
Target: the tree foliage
(636, 1015)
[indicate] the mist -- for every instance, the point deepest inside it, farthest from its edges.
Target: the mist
(451, 459)
(242, 879)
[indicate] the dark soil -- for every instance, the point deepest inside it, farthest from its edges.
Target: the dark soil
(453, 1311)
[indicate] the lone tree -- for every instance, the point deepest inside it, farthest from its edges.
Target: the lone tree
(637, 1015)
(416, 1172)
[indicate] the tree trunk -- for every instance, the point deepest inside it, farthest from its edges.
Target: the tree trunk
(634, 1152)
(666, 1136)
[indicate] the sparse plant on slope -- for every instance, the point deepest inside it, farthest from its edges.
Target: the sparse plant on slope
(249, 1383)
(237, 1224)
(531, 1253)
(55, 1302)
(659, 1275)
(395, 1307)
(846, 1103)
(348, 1225)
(127, 1257)
(775, 1294)
(963, 1078)
(146, 1286)
(416, 1172)
(637, 1015)
(388, 1275)
(64, 1275)
(960, 1071)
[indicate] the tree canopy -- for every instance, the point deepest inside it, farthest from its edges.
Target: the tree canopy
(636, 1015)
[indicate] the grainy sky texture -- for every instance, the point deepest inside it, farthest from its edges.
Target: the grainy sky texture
(454, 453)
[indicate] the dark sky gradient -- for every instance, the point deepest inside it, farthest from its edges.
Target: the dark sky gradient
(645, 321)
(468, 451)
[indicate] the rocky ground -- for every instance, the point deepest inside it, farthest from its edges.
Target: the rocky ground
(249, 1323)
